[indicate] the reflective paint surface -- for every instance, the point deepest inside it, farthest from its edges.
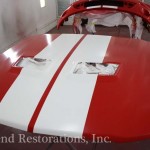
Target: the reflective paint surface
(78, 104)
(28, 47)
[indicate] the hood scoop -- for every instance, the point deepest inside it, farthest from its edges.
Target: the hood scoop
(26, 61)
(105, 69)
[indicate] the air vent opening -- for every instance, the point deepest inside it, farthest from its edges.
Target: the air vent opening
(104, 69)
(26, 61)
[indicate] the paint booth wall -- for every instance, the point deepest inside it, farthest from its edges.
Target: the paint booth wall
(21, 18)
(147, 1)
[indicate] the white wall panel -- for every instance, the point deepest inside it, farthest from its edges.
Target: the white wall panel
(20, 18)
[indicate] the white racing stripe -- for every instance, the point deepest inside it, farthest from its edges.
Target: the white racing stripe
(107, 6)
(92, 7)
(19, 103)
(65, 110)
(102, 6)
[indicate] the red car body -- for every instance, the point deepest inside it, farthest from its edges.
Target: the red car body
(134, 7)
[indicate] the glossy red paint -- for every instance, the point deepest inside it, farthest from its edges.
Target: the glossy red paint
(49, 87)
(27, 47)
(134, 7)
(120, 106)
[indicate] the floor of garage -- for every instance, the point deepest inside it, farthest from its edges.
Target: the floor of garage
(121, 31)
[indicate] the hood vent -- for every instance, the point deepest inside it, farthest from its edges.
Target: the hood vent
(105, 69)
